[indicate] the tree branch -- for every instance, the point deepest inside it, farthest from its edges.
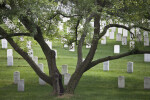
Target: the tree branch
(15, 34)
(133, 52)
(76, 30)
(135, 26)
(81, 41)
(27, 58)
(114, 25)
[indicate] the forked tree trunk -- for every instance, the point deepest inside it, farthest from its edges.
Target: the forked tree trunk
(82, 67)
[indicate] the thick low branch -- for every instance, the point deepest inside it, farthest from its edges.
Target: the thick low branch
(27, 58)
(15, 34)
(133, 52)
(114, 25)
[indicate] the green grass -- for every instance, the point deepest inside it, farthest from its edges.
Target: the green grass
(94, 85)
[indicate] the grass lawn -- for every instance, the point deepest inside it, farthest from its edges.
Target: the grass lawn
(94, 85)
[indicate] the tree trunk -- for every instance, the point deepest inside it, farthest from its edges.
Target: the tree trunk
(54, 73)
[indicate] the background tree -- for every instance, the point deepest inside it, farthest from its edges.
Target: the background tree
(40, 19)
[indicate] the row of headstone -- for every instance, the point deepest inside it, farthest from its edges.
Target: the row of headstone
(18, 81)
(123, 38)
(129, 66)
(121, 82)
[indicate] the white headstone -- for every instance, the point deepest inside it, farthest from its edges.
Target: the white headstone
(21, 85)
(106, 66)
(130, 67)
(146, 41)
(124, 40)
(111, 35)
(4, 43)
(9, 52)
(145, 34)
(146, 57)
(121, 82)
(120, 30)
(88, 45)
(118, 37)
(146, 82)
(35, 59)
(29, 44)
(16, 77)
(41, 82)
(72, 47)
(64, 69)
(113, 29)
(9, 60)
(103, 41)
(139, 37)
(132, 45)
(66, 78)
(125, 33)
(116, 48)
